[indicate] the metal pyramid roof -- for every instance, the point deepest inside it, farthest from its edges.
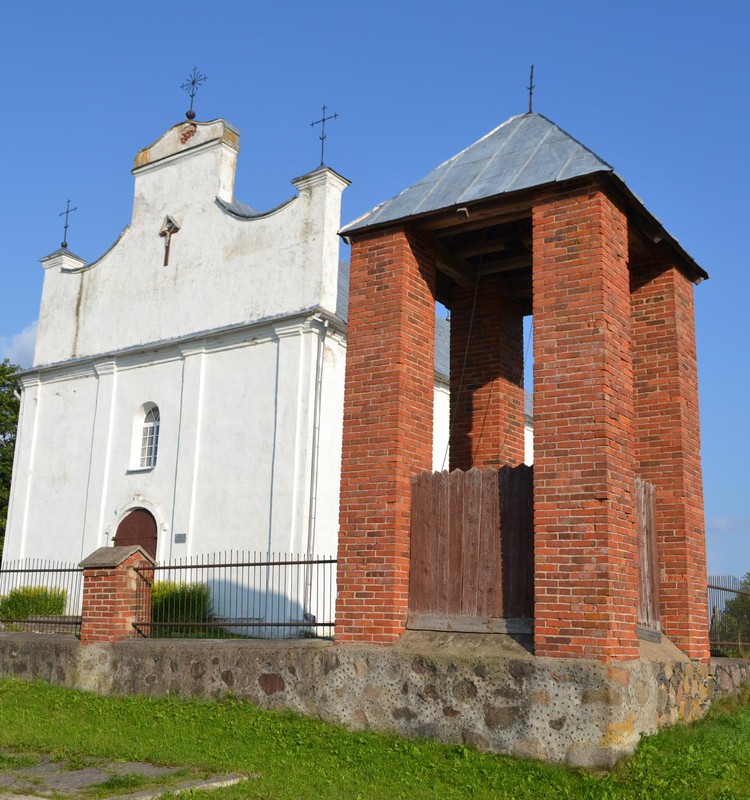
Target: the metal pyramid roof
(526, 151)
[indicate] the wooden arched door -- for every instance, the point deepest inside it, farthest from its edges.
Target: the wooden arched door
(138, 527)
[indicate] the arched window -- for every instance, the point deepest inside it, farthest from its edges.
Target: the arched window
(150, 438)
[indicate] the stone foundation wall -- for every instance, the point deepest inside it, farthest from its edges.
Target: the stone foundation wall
(485, 691)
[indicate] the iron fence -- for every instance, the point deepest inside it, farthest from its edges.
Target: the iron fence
(235, 595)
(40, 596)
(729, 615)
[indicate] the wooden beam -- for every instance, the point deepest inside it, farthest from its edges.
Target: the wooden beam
(457, 622)
(454, 274)
(506, 265)
(461, 272)
(490, 246)
(448, 224)
(482, 248)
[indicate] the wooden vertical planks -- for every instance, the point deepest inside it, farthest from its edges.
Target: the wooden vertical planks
(648, 567)
(472, 547)
(420, 572)
(516, 488)
(470, 528)
(489, 561)
(455, 554)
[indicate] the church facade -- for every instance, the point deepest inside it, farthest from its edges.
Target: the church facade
(187, 387)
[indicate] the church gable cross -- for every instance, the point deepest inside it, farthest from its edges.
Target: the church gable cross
(194, 80)
(68, 211)
(322, 122)
(168, 228)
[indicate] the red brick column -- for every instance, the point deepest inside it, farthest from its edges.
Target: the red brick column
(487, 404)
(112, 593)
(387, 429)
(667, 442)
(585, 540)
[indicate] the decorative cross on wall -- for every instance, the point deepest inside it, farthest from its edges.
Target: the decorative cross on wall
(168, 229)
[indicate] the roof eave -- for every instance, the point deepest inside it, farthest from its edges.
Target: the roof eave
(656, 231)
(610, 179)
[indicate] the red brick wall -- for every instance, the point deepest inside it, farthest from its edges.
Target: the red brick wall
(110, 599)
(387, 429)
(585, 540)
(667, 443)
(486, 393)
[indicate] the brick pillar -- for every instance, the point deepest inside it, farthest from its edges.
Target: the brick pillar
(387, 429)
(667, 444)
(585, 579)
(113, 594)
(487, 404)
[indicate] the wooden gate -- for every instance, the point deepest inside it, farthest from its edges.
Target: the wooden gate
(649, 619)
(460, 576)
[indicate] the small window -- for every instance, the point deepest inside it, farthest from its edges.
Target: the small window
(150, 439)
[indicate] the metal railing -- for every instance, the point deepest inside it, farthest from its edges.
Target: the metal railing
(40, 596)
(729, 616)
(236, 595)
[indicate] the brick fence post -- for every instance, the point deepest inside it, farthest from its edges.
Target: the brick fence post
(113, 593)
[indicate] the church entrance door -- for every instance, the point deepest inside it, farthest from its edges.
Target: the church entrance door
(137, 528)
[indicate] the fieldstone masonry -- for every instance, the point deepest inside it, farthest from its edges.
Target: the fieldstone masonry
(484, 691)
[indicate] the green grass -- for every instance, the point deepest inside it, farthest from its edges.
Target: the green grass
(15, 762)
(300, 759)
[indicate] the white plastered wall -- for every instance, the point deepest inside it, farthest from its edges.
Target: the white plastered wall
(234, 466)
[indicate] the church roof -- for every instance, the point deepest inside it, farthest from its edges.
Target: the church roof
(525, 151)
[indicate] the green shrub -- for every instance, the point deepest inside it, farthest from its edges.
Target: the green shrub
(32, 601)
(179, 603)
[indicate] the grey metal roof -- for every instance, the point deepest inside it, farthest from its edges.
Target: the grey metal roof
(244, 211)
(442, 347)
(342, 291)
(528, 404)
(526, 151)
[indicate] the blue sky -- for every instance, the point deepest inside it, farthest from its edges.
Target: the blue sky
(658, 89)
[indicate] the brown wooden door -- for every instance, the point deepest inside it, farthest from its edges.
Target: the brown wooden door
(138, 527)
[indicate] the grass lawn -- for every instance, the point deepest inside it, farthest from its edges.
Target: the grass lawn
(298, 758)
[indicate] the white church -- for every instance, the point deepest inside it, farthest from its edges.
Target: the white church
(187, 387)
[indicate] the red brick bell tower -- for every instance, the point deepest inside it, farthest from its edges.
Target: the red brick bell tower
(525, 221)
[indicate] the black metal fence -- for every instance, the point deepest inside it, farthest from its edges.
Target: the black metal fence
(235, 595)
(729, 615)
(40, 596)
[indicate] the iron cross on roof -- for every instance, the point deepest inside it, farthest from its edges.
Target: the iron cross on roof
(68, 211)
(322, 122)
(194, 80)
(530, 87)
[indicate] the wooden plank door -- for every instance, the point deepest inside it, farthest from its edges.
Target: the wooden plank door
(137, 528)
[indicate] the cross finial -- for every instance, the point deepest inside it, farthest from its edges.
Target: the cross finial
(194, 80)
(68, 211)
(531, 89)
(322, 122)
